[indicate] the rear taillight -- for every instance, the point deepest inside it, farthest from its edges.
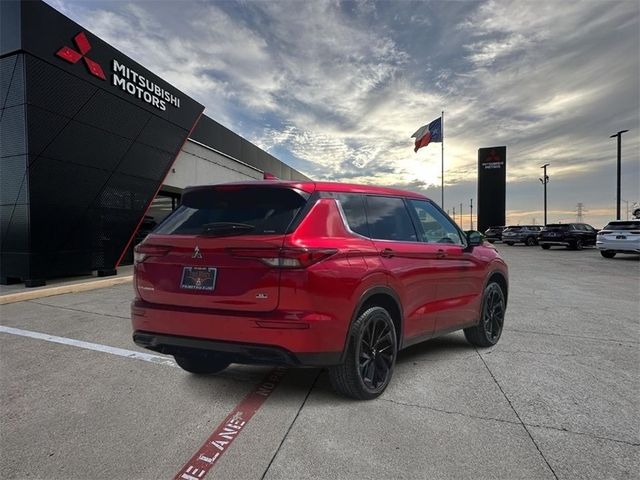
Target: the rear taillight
(604, 232)
(284, 257)
(635, 232)
(142, 252)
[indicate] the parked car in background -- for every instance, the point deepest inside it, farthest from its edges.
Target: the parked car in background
(571, 235)
(493, 234)
(619, 236)
(312, 274)
(527, 234)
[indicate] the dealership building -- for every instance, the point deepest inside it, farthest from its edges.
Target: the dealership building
(95, 149)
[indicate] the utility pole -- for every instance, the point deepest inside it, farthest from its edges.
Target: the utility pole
(471, 212)
(454, 214)
(461, 217)
(544, 180)
(619, 135)
(627, 202)
(580, 211)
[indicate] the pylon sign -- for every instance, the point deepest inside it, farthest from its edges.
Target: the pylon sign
(492, 179)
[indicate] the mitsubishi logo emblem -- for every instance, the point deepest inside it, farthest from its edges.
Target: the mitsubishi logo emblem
(196, 253)
(72, 56)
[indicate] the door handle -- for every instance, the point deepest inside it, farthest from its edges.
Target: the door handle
(387, 253)
(441, 253)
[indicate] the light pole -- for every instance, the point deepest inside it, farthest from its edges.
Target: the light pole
(471, 212)
(619, 135)
(461, 217)
(544, 180)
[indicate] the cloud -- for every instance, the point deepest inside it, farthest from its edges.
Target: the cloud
(335, 89)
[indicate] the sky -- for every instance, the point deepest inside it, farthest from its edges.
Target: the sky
(336, 89)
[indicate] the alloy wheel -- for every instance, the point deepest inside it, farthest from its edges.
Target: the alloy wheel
(376, 353)
(493, 314)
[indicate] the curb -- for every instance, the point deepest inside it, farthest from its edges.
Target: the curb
(62, 289)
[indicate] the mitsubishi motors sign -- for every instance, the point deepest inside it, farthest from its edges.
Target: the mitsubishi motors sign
(122, 76)
(62, 43)
(141, 87)
(492, 177)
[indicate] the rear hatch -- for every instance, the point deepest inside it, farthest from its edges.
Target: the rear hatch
(556, 232)
(622, 231)
(214, 250)
(511, 231)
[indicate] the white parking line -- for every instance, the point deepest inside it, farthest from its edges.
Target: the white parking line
(147, 357)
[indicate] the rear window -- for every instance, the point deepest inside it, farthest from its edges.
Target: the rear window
(630, 225)
(513, 229)
(564, 227)
(234, 211)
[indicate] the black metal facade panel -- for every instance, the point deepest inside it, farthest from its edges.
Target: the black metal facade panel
(14, 192)
(92, 171)
(492, 177)
(11, 81)
(211, 133)
(81, 157)
(45, 31)
(10, 26)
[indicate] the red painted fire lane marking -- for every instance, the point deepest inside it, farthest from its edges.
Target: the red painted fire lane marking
(224, 435)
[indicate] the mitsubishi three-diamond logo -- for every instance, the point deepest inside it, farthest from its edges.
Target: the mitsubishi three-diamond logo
(72, 56)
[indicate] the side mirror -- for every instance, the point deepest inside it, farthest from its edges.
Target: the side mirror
(474, 238)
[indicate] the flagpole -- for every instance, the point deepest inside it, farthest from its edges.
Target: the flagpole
(442, 165)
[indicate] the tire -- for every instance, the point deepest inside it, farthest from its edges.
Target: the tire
(366, 371)
(576, 244)
(545, 246)
(202, 365)
(489, 329)
(530, 242)
(607, 253)
(509, 243)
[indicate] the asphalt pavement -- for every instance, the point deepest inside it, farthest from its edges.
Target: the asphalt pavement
(556, 398)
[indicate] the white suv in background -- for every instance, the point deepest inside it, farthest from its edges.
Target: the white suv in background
(619, 236)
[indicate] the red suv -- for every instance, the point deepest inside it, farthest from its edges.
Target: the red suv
(312, 274)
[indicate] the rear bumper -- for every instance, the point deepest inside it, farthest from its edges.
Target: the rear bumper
(563, 243)
(273, 338)
(236, 352)
(517, 239)
(619, 246)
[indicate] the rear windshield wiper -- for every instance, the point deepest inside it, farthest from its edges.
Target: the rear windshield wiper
(226, 228)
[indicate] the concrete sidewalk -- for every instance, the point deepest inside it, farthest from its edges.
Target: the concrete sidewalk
(556, 398)
(59, 286)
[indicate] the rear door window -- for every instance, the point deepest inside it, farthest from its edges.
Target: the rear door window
(435, 226)
(389, 219)
(234, 210)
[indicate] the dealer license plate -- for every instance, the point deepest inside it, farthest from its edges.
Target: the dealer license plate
(199, 278)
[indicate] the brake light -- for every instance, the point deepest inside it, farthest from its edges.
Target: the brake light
(142, 252)
(635, 232)
(604, 232)
(284, 257)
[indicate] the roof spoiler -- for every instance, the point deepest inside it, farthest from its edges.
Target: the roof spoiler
(269, 176)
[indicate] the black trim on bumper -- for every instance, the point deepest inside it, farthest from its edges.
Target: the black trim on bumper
(246, 353)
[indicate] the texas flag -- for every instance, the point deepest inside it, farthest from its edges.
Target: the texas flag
(428, 133)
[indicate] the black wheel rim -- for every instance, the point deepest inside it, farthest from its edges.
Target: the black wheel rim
(376, 353)
(493, 314)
